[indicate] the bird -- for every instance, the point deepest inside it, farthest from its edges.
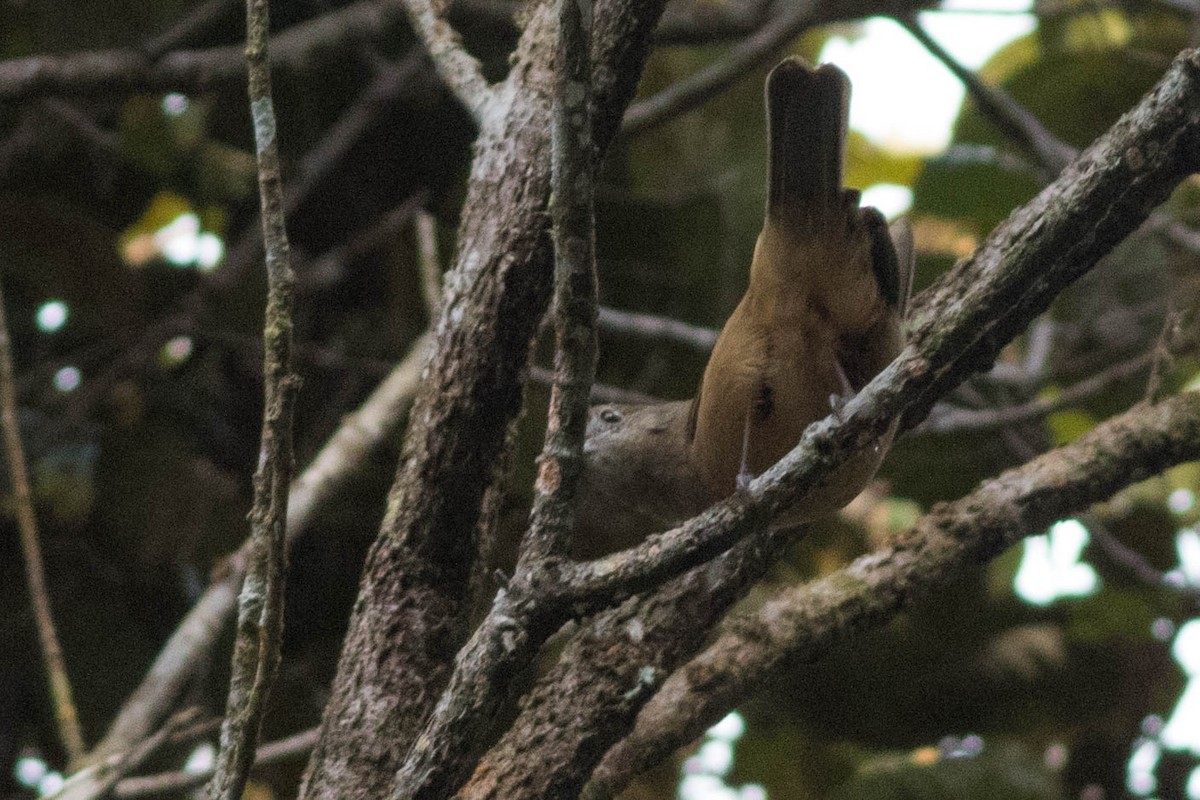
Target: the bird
(822, 314)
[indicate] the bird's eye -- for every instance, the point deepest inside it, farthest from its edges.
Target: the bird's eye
(610, 415)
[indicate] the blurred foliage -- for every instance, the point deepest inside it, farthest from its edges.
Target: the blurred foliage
(142, 473)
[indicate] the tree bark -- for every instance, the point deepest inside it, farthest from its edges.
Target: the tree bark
(409, 619)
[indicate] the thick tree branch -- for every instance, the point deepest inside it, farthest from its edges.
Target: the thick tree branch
(591, 697)
(412, 600)
(256, 650)
(449, 744)
(802, 623)
(960, 325)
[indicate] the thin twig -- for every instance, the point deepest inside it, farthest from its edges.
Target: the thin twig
(323, 159)
(690, 92)
(98, 780)
(65, 713)
(1013, 119)
(130, 70)
(320, 161)
(331, 267)
(460, 70)
(1162, 355)
(174, 782)
(983, 419)
(260, 607)
(1132, 560)
(652, 326)
(431, 264)
(355, 440)
(1175, 231)
(194, 24)
(704, 22)
(601, 392)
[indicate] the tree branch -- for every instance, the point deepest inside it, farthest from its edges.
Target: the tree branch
(173, 782)
(417, 574)
(350, 446)
(803, 623)
(957, 420)
(574, 233)
(699, 23)
(66, 716)
(458, 69)
(256, 650)
(1013, 119)
(450, 742)
(665, 329)
(960, 325)
(130, 70)
(754, 51)
(957, 326)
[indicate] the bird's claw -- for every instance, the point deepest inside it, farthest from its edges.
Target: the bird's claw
(744, 477)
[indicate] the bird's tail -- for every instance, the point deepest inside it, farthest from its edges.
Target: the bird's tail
(807, 112)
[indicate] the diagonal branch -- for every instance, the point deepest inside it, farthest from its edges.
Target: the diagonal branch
(164, 783)
(350, 446)
(1014, 120)
(1044, 246)
(65, 714)
(803, 623)
(754, 51)
(959, 325)
(656, 327)
(957, 420)
(458, 69)
(418, 574)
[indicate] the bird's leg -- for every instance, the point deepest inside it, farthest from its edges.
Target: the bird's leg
(838, 401)
(744, 476)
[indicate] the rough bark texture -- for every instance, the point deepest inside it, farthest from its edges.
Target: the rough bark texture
(959, 327)
(408, 621)
(592, 695)
(804, 622)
